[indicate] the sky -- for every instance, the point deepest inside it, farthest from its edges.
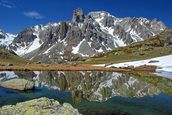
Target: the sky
(16, 15)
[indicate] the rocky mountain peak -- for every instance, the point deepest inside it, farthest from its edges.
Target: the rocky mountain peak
(78, 15)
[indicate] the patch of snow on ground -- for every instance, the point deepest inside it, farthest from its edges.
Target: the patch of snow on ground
(164, 65)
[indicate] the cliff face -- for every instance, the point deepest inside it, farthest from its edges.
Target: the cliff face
(93, 86)
(84, 35)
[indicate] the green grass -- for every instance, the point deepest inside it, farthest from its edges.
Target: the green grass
(7, 56)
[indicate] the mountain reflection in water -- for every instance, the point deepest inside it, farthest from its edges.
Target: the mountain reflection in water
(119, 93)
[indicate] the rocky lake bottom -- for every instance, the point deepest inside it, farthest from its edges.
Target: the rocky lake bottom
(96, 93)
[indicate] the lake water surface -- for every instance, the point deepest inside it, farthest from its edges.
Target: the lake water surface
(97, 93)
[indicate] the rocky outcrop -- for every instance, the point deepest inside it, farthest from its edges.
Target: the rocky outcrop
(41, 106)
(78, 15)
(18, 84)
(166, 37)
(25, 35)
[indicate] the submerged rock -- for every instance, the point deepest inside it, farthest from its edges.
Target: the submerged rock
(41, 106)
(18, 84)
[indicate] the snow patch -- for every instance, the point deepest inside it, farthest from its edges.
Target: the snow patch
(35, 45)
(22, 50)
(164, 65)
(118, 42)
(48, 50)
(76, 49)
(135, 36)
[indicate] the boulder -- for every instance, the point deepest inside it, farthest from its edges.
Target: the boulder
(18, 84)
(108, 64)
(9, 64)
(41, 106)
(153, 61)
(45, 65)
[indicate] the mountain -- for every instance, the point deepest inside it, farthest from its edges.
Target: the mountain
(83, 36)
(156, 46)
(6, 39)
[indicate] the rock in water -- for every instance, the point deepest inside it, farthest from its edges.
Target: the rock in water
(41, 106)
(18, 84)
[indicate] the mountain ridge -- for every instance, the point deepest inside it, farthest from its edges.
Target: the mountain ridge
(83, 36)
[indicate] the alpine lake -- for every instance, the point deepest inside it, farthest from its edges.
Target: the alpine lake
(96, 92)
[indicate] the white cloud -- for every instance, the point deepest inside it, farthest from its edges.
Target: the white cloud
(33, 14)
(6, 4)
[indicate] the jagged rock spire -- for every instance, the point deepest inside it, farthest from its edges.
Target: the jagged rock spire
(78, 15)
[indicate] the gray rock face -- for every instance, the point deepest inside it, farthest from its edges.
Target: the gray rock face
(25, 35)
(85, 35)
(41, 106)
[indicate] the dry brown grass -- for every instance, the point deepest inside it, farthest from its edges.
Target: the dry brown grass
(59, 67)
(68, 67)
(145, 68)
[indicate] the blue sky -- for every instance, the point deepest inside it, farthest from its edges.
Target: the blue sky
(19, 14)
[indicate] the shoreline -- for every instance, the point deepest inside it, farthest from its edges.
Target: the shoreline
(80, 67)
